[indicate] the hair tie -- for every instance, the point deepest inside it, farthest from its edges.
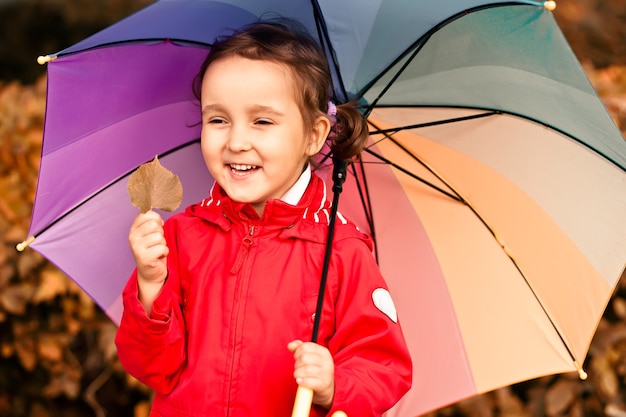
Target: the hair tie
(332, 113)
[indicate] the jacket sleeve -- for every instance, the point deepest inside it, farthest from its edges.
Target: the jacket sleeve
(153, 348)
(373, 369)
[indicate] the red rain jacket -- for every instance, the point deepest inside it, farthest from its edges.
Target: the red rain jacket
(239, 289)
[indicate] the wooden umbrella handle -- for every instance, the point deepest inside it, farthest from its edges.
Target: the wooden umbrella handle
(303, 401)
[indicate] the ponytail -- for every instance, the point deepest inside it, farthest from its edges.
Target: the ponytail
(349, 134)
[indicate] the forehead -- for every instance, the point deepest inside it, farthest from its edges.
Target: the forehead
(248, 83)
(236, 71)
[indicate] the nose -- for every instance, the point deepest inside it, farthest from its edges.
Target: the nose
(239, 138)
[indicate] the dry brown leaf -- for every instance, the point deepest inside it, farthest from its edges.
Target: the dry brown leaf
(615, 410)
(81, 309)
(509, 404)
(7, 350)
(560, 397)
(142, 409)
(27, 262)
(53, 283)
(578, 409)
(152, 186)
(4, 255)
(15, 298)
(39, 410)
(606, 381)
(106, 341)
(480, 405)
(133, 382)
(65, 380)
(619, 307)
(86, 310)
(6, 273)
(25, 349)
(50, 347)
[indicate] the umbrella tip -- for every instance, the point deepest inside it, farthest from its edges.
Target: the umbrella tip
(45, 59)
(550, 5)
(23, 245)
(581, 372)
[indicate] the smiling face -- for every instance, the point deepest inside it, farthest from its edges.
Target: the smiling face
(254, 140)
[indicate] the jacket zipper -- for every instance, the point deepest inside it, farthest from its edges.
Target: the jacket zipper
(243, 251)
(241, 257)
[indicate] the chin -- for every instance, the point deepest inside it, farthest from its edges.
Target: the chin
(242, 197)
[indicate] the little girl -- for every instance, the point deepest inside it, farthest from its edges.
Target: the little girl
(219, 311)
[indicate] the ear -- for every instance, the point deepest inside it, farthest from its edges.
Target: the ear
(317, 135)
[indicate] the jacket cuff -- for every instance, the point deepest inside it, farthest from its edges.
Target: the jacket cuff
(340, 400)
(162, 306)
(159, 317)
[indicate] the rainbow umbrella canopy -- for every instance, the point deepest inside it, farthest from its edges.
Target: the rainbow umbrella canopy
(494, 183)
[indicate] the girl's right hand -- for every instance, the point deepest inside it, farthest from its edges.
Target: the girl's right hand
(147, 243)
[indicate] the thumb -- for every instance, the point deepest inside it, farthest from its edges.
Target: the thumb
(293, 345)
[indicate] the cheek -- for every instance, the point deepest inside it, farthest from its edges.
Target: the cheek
(209, 148)
(314, 147)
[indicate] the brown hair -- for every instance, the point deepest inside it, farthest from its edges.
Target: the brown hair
(298, 51)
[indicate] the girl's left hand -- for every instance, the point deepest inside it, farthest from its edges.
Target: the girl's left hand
(314, 369)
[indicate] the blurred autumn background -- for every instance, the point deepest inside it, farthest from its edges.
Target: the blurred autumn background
(57, 356)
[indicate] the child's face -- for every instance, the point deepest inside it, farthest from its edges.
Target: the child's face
(254, 140)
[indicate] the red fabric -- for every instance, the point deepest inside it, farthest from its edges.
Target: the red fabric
(239, 289)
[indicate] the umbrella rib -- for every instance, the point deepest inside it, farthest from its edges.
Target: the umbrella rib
(366, 202)
(419, 44)
(23, 245)
(322, 33)
(364, 195)
(130, 41)
(489, 112)
(412, 175)
(435, 123)
(454, 196)
(404, 66)
(458, 197)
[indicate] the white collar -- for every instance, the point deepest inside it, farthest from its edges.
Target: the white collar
(295, 193)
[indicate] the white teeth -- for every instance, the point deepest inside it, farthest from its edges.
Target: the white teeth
(242, 167)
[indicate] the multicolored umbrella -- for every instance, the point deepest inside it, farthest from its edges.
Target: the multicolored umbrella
(494, 183)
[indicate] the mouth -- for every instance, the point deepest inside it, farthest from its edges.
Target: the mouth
(241, 170)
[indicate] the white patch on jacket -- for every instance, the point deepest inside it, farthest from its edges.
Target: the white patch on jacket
(383, 301)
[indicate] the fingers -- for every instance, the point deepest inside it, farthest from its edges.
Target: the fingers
(146, 223)
(146, 231)
(313, 365)
(314, 368)
(147, 242)
(292, 346)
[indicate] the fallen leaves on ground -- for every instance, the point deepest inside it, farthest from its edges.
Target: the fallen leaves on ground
(54, 342)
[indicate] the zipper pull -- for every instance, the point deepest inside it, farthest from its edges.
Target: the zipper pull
(243, 250)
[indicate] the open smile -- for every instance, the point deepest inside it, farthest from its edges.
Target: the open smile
(242, 170)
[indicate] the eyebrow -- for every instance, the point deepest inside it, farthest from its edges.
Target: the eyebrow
(211, 107)
(257, 108)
